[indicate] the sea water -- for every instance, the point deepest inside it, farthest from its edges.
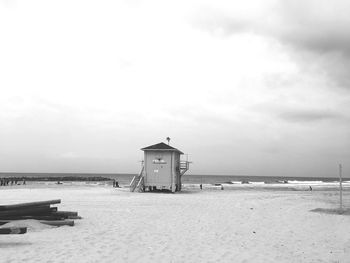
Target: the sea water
(125, 179)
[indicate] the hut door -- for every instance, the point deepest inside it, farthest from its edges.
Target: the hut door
(160, 169)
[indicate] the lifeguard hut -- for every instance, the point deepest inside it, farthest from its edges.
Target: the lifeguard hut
(162, 169)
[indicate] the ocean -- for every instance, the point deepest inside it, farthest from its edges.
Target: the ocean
(125, 179)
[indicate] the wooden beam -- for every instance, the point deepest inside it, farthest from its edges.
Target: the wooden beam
(13, 230)
(36, 217)
(66, 213)
(28, 212)
(59, 223)
(30, 204)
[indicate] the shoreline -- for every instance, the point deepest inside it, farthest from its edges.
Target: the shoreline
(108, 184)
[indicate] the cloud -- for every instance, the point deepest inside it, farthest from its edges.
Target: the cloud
(8, 3)
(309, 115)
(316, 25)
(222, 24)
(315, 32)
(69, 155)
(320, 26)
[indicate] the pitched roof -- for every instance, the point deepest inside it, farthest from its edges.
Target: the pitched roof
(161, 147)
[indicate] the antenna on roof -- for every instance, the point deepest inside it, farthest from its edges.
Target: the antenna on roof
(168, 139)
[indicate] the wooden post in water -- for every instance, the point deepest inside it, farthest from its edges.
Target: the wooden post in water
(340, 189)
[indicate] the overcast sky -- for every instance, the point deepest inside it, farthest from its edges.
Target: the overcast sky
(244, 87)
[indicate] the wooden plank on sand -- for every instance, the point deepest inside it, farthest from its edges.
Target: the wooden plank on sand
(30, 204)
(66, 213)
(47, 222)
(36, 217)
(59, 223)
(75, 217)
(13, 230)
(28, 211)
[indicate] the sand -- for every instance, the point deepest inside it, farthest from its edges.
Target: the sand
(245, 225)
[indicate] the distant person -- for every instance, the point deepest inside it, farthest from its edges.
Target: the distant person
(24, 181)
(200, 186)
(117, 184)
(310, 188)
(222, 187)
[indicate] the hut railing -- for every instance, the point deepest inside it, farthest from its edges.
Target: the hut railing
(184, 167)
(140, 184)
(137, 180)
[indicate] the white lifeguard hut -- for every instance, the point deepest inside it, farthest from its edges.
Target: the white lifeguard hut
(162, 169)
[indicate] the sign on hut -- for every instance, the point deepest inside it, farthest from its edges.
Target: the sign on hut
(162, 169)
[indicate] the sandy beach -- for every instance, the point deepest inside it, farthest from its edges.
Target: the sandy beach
(234, 225)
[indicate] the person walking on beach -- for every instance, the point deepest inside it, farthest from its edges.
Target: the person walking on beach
(310, 188)
(200, 186)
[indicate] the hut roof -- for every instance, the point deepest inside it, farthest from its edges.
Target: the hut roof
(161, 147)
